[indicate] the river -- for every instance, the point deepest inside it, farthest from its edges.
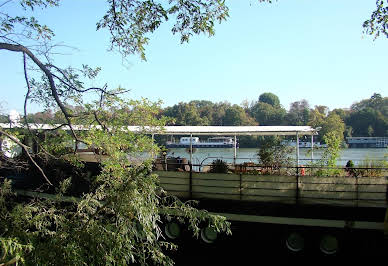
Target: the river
(207, 155)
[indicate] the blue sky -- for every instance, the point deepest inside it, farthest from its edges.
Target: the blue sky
(296, 49)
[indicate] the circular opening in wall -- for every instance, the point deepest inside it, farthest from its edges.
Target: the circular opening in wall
(172, 230)
(329, 245)
(295, 242)
(208, 235)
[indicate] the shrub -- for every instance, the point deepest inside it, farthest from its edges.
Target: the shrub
(219, 166)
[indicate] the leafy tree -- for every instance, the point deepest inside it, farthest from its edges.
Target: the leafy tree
(268, 115)
(333, 124)
(205, 109)
(219, 113)
(369, 117)
(236, 116)
(185, 114)
(270, 99)
(272, 153)
(331, 154)
(117, 220)
(299, 112)
(267, 111)
(343, 114)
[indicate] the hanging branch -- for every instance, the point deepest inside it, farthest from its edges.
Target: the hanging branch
(47, 72)
(25, 148)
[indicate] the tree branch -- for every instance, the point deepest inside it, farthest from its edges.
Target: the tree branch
(25, 148)
(46, 71)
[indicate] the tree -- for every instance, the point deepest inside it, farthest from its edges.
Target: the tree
(236, 116)
(273, 153)
(267, 111)
(298, 115)
(343, 114)
(185, 114)
(268, 115)
(369, 117)
(270, 99)
(331, 154)
(117, 220)
(333, 124)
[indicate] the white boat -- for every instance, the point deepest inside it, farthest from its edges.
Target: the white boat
(303, 144)
(214, 142)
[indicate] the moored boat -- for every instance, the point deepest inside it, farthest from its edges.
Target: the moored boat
(214, 142)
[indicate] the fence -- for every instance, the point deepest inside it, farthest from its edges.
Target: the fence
(274, 187)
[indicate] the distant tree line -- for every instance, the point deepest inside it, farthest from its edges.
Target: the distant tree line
(368, 117)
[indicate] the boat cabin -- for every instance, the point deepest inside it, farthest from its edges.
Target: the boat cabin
(186, 140)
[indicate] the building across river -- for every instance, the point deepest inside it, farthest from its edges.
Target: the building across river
(367, 142)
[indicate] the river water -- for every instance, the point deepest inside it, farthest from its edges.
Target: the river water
(207, 155)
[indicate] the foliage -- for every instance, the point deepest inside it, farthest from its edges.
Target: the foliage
(349, 168)
(236, 116)
(378, 22)
(267, 115)
(219, 166)
(130, 21)
(11, 250)
(333, 124)
(269, 98)
(371, 168)
(369, 117)
(204, 113)
(118, 223)
(117, 218)
(273, 153)
(328, 123)
(330, 155)
(299, 112)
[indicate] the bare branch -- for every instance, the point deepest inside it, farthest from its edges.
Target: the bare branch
(6, 2)
(47, 72)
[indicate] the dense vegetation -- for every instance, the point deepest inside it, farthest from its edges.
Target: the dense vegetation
(118, 214)
(366, 118)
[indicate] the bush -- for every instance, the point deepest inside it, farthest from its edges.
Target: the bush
(370, 168)
(273, 154)
(219, 166)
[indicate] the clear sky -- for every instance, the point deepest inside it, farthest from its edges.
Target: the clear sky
(296, 49)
